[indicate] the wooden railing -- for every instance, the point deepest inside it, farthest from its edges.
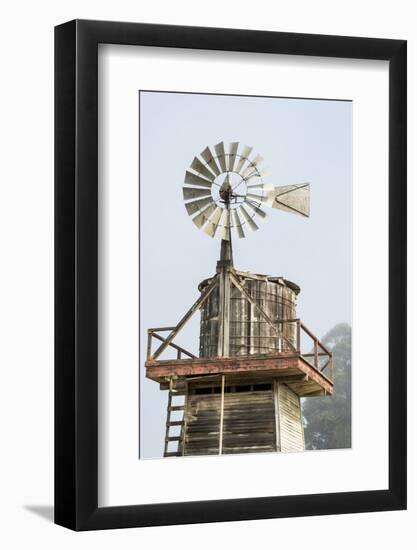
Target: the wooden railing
(319, 351)
(316, 354)
(153, 333)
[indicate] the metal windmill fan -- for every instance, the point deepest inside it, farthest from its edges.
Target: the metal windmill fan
(226, 191)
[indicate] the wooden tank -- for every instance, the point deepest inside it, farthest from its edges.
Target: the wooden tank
(249, 333)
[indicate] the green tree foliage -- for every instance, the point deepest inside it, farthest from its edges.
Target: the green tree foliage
(327, 420)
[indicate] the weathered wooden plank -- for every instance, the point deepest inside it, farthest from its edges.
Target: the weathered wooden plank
(248, 423)
(290, 420)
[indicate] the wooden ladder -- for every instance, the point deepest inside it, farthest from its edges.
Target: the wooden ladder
(179, 439)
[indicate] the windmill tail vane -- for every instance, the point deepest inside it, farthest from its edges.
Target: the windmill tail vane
(225, 192)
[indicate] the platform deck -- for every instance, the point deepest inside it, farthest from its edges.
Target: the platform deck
(293, 369)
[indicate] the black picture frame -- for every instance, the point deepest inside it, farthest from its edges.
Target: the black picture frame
(76, 272)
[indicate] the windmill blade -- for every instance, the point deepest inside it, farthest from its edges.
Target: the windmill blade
(232, 155)
(221, 157)
(204, 215)
(237, 224)
(193, 179)
(253, 166)
(215, 217)
(253, 179)
(264, 187)
(292, 198)
(248, 219)
(194, 193)
(199, 167)
(194, 206)
(258, 173)
(256, 209)
(210, 160)
(267, 200)
(265, 172)
(244, 156)
(224, 224)
(213, 222)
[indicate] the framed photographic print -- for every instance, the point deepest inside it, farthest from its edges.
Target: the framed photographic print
(230, 275)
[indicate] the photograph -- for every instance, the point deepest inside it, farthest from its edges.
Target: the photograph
(245, 290)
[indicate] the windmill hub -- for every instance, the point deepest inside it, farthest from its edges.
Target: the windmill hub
(231, 192)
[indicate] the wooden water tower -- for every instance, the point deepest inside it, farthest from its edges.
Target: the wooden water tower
(241, 394)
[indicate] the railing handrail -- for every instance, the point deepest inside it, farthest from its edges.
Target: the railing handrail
(300, 327)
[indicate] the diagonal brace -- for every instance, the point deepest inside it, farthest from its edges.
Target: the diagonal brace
(203, 297)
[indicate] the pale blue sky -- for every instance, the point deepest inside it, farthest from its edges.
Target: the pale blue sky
(301, 140)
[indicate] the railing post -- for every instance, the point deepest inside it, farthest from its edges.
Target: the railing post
(149, 346)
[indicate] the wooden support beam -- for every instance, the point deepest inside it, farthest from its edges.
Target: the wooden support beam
(224, 311)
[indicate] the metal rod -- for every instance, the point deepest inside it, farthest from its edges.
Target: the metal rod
(184, 419)
(221, 417)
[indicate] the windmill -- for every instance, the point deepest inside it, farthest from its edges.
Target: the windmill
(256, 358)
(226, 192)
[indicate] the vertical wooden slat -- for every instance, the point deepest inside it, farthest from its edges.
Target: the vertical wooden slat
(276, 410)
(298, 336)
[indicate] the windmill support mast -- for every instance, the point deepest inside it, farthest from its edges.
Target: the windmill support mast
(224, 266)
